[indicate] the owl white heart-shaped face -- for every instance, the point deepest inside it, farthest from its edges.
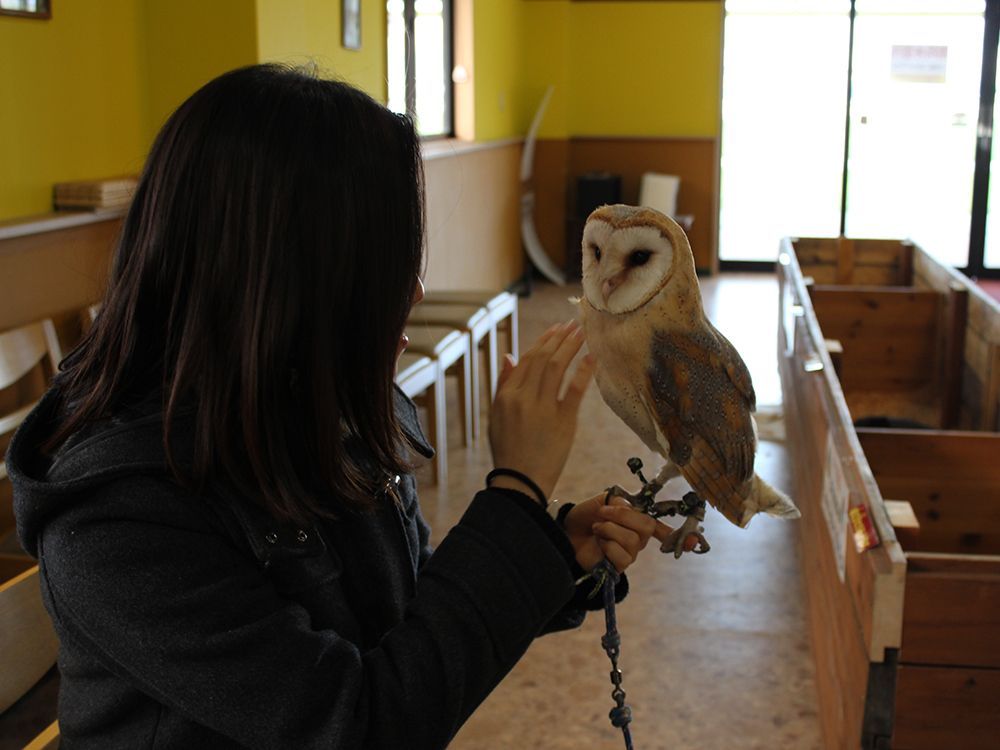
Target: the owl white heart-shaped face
(624, 267)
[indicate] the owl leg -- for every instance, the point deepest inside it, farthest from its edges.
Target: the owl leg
(643, 500)
(694, 511)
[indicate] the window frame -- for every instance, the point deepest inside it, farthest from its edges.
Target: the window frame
(409, 56)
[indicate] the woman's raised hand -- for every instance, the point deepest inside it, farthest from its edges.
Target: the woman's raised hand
(531, 428)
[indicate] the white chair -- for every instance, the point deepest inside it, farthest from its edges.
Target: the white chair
(29, 356)
(481, 314)
(28, 643)
(451, 350)
(419, 377)
(659, 191)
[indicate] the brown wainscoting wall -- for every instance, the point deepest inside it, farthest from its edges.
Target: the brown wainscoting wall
(473, 215)
(558, 162)
(53, 263)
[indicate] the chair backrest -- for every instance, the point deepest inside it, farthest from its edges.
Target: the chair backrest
(28, 358)
(28, 644)
(659, 191)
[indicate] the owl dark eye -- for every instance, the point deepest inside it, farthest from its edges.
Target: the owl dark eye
(597, 252)
(639, 257)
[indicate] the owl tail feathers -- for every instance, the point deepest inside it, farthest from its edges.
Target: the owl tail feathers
(767, 499)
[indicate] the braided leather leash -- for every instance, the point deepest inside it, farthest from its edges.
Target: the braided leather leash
(621, 714)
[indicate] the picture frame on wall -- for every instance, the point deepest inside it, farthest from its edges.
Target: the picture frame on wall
(40, 9)
(351, 24)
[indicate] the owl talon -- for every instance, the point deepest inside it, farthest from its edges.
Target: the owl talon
(691, 527)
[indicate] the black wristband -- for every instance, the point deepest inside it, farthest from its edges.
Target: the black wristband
(521, 478)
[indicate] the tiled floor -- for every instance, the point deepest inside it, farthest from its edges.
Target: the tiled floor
(714, 648)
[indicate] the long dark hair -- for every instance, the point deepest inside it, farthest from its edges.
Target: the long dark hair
(263, 276)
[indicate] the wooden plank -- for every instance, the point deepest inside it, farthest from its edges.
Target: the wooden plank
(922, 405)
(884, 567)
(984, 310)
(952, 611)
(952, 480)
(821, 274)
(905, 277)
(47, 740)
(888, 335)
(852, 622)
(36, 711)
(835, 633)
(938, 708)
(836, 352)
(878, 252)
(875, 275)
(991, 401)
(978, 355)
(814, 253)
(28, 644)
(956, 317)
(56, 271)
(905, 524)
(845, 261)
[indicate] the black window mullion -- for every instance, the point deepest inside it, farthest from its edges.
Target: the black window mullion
(847, 126)
(984, 141)
(409, 17)
(449, 66)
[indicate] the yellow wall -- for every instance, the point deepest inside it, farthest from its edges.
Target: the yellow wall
(184, 45)
(547, 63)
(498, 52)
(646, 68)
(69, 100)
(620, 68)
(305, 31)
(83, 94)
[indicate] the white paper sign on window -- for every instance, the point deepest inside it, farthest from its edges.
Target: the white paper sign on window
(919, 64)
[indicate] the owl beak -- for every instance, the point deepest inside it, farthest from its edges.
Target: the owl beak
(609, 286)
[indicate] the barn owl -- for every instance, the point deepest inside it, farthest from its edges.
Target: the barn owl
(667, 372)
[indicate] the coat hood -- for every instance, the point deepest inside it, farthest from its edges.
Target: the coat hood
(101, 453)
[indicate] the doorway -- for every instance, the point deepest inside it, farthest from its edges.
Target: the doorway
(857, 117)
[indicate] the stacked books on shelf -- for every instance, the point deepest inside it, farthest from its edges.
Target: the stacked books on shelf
(111, 192)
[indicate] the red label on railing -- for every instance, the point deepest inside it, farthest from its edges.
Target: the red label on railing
(865, 536)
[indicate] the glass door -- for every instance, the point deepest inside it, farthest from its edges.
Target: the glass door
(860, 118)
(914, 111)
(784, 105)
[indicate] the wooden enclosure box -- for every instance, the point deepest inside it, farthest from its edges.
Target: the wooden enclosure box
(901, 633)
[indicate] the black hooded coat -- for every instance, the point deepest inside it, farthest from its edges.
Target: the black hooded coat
(202, 622)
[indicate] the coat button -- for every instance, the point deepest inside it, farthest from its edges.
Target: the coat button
(272, 538)
(303, 537)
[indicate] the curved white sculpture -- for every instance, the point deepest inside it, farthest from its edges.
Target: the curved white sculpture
(539, 258)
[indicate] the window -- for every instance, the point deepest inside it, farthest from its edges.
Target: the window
(420, 63)
(874, 115)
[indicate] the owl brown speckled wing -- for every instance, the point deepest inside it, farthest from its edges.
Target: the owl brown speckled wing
(703, 397)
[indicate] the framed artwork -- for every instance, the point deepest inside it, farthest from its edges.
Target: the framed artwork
(351, 23)
(27, 8)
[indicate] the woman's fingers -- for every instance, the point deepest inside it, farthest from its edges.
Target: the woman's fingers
(626, 532)
(543, 366)
(578, 385)
(505, 370)
(569, 341)
(531, 429)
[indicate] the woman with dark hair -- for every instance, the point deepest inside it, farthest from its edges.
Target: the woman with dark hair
(217, 486)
